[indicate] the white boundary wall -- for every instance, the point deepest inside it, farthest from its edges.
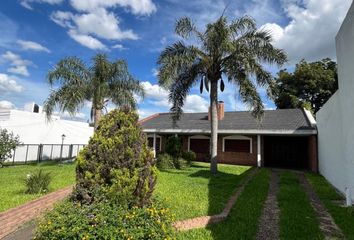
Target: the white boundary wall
(335, 121)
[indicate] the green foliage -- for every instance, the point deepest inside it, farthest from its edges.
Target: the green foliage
(8, 143)
(165, 161)
(101, 83)
(309, 86)
(174, 146)
(117, 164)
(105, 221)
(297, 217)
(37, 182)
(235, 49)
(189, 156)
(343, 216)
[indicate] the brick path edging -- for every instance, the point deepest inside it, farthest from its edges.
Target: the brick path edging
(12, 219)
(203, 221)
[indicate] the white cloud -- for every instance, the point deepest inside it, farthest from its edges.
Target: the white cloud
(9, 84)
(85, 28)
(195, 103)
(119, 47)
(29, 45)
(27, 3)
(87, 40)
(139, 7)
(155, 72)
(20, 70)
(6, 105)
(19, 65)
(157, 96)
(311, 32)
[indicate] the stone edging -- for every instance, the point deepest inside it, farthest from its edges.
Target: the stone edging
(203, 221)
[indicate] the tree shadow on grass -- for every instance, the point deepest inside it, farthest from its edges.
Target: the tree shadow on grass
(242, 222)
(221, 186)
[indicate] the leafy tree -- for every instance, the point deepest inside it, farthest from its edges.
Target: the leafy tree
(309, 86)
(8, 143)
(100, 83)
(233, 50)
(117, 165)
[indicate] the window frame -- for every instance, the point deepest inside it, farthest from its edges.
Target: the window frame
(237, 137)
(197, 137)
(157, 136)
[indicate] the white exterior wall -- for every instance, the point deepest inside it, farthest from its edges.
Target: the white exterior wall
(33, 128)
(335, 121)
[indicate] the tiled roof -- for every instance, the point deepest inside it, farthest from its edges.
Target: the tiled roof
(277, 120)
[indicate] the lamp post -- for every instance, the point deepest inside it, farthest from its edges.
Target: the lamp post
(61, 148)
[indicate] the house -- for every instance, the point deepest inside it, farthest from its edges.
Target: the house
(285, 138)
(38, 135)
(335, 119)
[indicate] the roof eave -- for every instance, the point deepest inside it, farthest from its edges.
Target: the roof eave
(249, 131)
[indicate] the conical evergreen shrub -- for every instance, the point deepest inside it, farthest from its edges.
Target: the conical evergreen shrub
(117, 165)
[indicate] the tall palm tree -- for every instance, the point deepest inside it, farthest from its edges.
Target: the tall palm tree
(100, 83)
(233, 50)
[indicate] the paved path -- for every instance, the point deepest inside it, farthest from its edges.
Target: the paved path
(268, 228)
(14, 218)
(327, 225)
(200, 222)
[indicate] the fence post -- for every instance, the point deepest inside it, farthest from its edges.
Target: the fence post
(70, 151)
(26, 154)
(39, 153)
(13, 157)
(51, 153)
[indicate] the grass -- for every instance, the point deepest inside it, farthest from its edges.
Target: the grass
(344, 217)
(242, 222)
(195, 192)
(297, 217)
(12, 181)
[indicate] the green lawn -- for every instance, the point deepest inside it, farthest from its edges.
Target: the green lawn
(297, 217)
(194, 192)
(242, 222)
(12, 185)
(344, 217)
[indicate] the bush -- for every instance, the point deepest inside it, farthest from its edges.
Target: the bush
(8, 143)
(37, 182)
(117, 165)
(104, 221)
(174, 146)
(165, 161)
(189, 157)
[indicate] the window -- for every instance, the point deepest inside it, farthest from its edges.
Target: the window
(158, 143)
(199, 145)
(237, 143)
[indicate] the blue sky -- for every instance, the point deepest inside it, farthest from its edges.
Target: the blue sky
(35, 34)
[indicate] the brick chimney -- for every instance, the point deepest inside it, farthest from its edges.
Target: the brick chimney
(221, 111)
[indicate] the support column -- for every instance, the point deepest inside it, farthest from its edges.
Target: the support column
(259, 155)
(154, 145)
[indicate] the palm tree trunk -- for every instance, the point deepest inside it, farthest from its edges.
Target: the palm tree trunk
(214, 126)
(97, 117)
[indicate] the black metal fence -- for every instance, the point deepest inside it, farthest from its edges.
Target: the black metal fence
(29, 153)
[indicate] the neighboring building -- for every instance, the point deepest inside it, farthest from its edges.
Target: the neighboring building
(285, 138)
(336, 118)
(33, 128)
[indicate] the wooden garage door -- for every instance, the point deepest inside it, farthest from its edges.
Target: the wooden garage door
(199, 145)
